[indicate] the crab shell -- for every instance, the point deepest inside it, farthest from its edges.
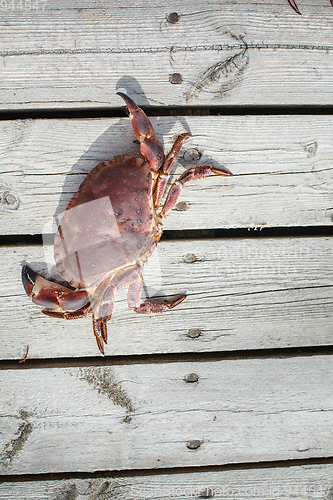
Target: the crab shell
(110, 223)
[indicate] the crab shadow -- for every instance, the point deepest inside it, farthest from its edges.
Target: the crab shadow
(117, 139)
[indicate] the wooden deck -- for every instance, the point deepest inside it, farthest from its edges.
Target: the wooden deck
(229, 395)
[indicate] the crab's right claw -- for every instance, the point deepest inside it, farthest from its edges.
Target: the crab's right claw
(52, 295)
(150, 147)
(28, 280)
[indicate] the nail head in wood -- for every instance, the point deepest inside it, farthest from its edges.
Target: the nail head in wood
(181, 206)
(193, 444)
(194, 333)
(192, 155)
(173, 18)
(190, 257)
(176, 78)
(191, 377)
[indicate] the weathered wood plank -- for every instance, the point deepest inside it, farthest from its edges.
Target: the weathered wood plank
(282, 167)
(148, 416)
(75, 55)
(242, 294)
(310, 481)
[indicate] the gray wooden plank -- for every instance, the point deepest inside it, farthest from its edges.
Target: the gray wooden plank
(148, 416)
(76, 55)
(242, 294)
(281, 164)
(302, 482)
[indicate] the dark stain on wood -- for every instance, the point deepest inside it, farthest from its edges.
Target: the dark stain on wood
(16, 444)
(104, 381)
(222, 76)
(92, 490)
(69, 492)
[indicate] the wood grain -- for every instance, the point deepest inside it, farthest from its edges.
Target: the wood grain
(282, 169)
(242, 294)
(281, 482)
(66, 55)
(146, 416)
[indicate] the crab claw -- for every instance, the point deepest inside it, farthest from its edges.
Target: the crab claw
(28, 279)
(150, 147)
(52, 295)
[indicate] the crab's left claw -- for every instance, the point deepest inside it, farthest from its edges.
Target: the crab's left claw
(150, 147)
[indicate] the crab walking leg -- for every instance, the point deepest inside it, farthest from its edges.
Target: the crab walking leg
(59, 301)
(167, 167)
(150, 147)
(294, 6)
(102, 312)
(190, 175)
(100, 331)
(151, 306)
(103, 301)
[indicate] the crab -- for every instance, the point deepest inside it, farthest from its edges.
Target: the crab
(294, 6)
(110, 229)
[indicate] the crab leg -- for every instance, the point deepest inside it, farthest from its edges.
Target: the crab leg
(190, 175)
(294, 6)
(151, 306)
(102, 313)
(167, 167)
(150, 147)
(103, 302)
(59, 301)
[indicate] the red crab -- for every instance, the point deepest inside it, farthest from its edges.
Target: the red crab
(294, 6)
(110, 229)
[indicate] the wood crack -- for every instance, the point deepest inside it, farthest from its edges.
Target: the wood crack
(277, 290)
(173, 48)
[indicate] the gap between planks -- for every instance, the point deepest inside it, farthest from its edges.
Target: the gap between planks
(283, 465)
(114, 112)
(283, 480)
(146, 359)
(193, 234)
